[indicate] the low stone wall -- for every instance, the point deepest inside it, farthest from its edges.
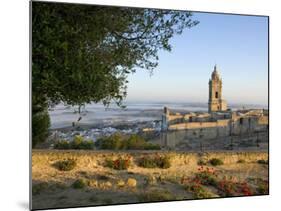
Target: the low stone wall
(200, 131)
(212, 138)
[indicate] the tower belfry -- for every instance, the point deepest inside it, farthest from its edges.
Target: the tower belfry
(216, 103)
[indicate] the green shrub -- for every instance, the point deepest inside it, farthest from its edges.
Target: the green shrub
(78, 143)
(40, 127)
(201, 162)
(216, 162)
(118, 164)
(198, 191)
(63, 144)
(234, 188)
(241, 161)
(262, 161)
(135, 142)
(65, 165)
(103, 177)
(263, 186)
(150, 146)
(157, 161)
(80, 184)
(147, 162)
(111, 142)
(206, 177)
(119, 142)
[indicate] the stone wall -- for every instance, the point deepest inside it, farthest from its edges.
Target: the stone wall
(237, 125)
(209, 138)
(196, 127)
(200, 125)
(194, 132)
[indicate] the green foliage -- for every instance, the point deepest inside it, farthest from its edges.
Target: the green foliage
(195, 185)
(216, 162)
(80, 143)
(241, 161)
(103, 177)
(80, 184)
(263, 187)
(201, 162)
(63, 144)
(119, 142)
(150, 146)
(156, 161)
(229, 187)
(40, 126)
(119, 163)
(134, 142)
(206, 176)
(262, 161)
(77, 143)
(65, 165)
(198, 191)
(83, 53)
(114, 142)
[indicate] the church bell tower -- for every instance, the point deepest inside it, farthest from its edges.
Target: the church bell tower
(216, 103)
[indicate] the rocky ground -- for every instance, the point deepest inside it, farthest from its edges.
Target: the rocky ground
(88, 180)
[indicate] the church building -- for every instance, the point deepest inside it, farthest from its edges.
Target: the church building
(190, 127)
(216, 103)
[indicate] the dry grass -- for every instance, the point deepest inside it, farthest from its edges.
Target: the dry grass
(105, 185)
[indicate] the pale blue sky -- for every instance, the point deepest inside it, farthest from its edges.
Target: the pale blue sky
(237, 44)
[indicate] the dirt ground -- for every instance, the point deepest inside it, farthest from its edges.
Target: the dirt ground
(53, 188)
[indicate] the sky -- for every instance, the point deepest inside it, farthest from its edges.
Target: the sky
(238, 45)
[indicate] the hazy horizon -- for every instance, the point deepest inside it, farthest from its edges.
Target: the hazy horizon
(190, 102)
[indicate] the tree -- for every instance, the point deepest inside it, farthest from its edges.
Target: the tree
(40, 125)
(83, 54)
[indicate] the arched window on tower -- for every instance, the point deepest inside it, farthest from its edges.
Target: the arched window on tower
(217, 95)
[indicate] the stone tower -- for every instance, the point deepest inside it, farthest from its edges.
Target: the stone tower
(165, 118)
(216, 103)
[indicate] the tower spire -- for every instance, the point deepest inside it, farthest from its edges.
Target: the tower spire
(215, 74)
